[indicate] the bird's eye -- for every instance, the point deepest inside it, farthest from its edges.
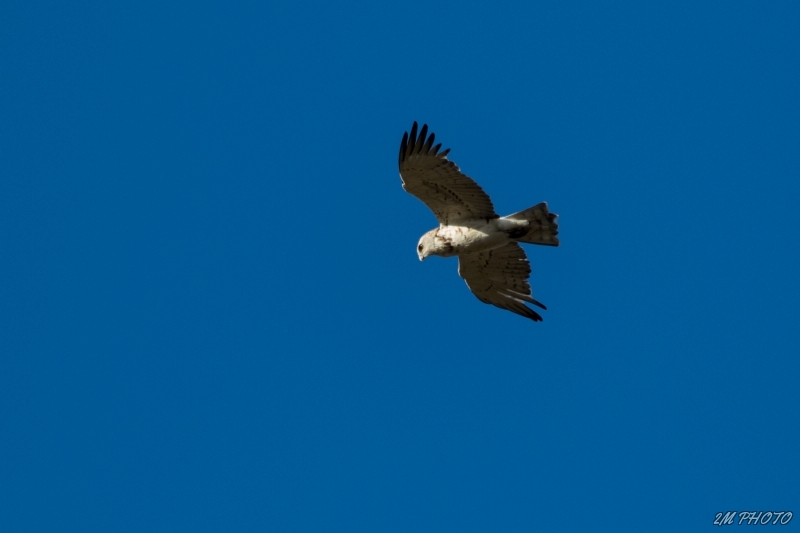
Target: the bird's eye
(419, 247)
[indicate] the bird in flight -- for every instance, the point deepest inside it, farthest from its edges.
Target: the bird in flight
(489, 257)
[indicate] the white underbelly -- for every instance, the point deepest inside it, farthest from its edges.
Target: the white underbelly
(466, 240)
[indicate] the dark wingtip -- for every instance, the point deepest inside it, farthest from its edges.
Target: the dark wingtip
(418, 141)
(421, 139)
(536, 317)
(427, 147)
(412, 137)
(403, 147)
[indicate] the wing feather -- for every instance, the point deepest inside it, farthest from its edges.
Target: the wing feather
(500, 277)
(438, 182)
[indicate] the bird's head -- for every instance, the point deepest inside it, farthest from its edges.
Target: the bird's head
(426, 245)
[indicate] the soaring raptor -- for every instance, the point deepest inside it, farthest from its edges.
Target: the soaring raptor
(489, 259)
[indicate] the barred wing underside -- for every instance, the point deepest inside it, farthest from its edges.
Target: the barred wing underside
(438, 182)
(500, 277)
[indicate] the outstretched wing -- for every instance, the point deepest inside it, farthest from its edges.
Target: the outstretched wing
(500, 277)
(428, 175)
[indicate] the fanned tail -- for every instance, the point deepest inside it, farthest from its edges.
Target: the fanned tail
(542, 228)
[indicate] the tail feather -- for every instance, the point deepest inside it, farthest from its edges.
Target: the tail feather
(542, 228)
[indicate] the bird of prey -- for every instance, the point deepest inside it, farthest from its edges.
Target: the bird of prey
(489, 257)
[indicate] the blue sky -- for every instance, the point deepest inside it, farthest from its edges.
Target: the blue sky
(214, 318)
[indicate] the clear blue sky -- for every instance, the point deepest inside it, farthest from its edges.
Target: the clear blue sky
(214, 318)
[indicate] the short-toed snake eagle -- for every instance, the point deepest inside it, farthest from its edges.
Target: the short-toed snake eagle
(489, 258)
